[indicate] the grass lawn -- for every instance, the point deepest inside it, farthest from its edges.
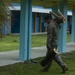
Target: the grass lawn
(10, 42)
(34, 69)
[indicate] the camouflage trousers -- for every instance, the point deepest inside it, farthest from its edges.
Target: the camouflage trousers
(55, 57)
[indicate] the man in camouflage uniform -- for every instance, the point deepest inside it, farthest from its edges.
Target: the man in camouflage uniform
(52, 38)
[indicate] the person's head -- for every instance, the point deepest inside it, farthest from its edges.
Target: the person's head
(48, 18)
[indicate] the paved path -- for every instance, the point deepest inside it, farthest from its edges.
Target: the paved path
(11, 57)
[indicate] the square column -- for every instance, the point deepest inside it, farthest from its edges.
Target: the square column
(29, 30)
(55, 9)
(63, 30)
(25, 30)
(73, 25)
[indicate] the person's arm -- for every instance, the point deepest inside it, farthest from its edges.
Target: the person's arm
(52, 45)
(59, 17)
(62, 16)
(49, 36)
(55, 15)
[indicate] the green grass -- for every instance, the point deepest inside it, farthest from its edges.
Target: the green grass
(10, 42)
(69, 38)
(34, 69)
(38, 40)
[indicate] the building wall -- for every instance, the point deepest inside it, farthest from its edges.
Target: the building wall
(15, 23)
(38, 24)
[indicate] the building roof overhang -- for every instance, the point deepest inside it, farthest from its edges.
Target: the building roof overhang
(50, 3)
(37, 10)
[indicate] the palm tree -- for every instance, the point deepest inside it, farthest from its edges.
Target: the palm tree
(4, 12)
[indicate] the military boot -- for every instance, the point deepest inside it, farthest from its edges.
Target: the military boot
(64, 69)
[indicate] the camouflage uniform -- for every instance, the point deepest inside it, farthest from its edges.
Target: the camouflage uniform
(52, 38)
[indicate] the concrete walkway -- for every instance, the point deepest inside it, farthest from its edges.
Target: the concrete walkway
(11, 57)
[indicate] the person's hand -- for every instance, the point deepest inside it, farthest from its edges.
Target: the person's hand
(51, 12)
(55, 50)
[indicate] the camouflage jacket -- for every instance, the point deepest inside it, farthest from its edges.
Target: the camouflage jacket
(52, 32)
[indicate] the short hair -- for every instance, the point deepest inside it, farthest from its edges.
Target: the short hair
(48, 16)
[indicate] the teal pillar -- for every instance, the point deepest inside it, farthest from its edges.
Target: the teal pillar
(63, 30)
(73, 25)
(55, 9)
(25, 30)
(29, 30)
